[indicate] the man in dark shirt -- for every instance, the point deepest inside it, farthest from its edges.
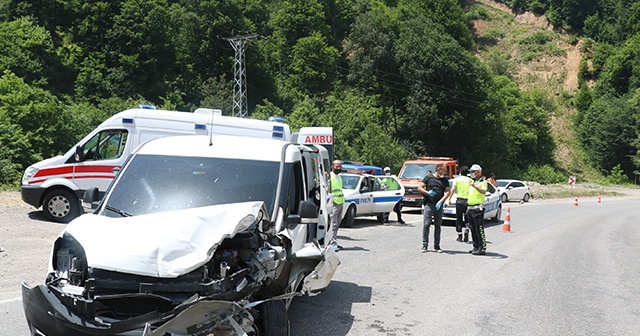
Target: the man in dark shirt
(435, 189)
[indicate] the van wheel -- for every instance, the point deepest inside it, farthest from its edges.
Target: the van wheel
(61, 205)
(347, 221)
(273, 318)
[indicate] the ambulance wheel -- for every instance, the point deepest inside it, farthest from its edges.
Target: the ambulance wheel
(347, 221)
(273, 318)
(61, 205)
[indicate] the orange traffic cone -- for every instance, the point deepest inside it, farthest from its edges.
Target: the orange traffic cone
(506, 227)
(599, 199)
(575, 203)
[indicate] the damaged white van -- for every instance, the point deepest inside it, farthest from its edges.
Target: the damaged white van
(198, 235)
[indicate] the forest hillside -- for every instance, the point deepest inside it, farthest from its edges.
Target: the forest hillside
(530, 89)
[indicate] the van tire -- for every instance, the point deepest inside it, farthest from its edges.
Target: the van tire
(60, 205)
(273, 318)
(347, 221)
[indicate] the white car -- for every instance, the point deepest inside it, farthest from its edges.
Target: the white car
(492, 205)
(368, 195)
(513, 190)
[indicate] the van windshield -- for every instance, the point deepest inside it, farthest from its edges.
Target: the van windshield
(158, 183)
(416, 171)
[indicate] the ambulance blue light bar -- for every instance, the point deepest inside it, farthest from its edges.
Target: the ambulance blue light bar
(127, 120)
(201, 126)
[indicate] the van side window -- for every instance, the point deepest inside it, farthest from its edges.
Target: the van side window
(107, 144)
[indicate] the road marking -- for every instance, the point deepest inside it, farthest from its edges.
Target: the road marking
(11, 300)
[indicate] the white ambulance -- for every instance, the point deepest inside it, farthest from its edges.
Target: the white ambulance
(58, 183)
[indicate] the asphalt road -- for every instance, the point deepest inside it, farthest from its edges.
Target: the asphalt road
(562, 270)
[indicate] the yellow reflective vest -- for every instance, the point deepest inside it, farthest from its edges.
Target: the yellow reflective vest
(336, 189)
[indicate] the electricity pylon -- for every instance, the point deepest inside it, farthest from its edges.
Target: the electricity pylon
(240, 75)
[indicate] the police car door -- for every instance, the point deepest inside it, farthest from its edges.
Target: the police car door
(386, 195)
(491, 199)
(365, 196)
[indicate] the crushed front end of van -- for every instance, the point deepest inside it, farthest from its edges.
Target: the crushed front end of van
(186, 272)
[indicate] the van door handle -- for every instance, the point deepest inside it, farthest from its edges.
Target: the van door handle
(115, 170)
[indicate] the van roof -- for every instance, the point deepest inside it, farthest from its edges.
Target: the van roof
(220, 124)
(431, 159)
(227, 146)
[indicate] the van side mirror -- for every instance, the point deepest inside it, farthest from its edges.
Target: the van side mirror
(308, 215)
(308, 210)
(80, 153)
(91, 198)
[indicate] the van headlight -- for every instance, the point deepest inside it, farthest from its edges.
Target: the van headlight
(28, 174)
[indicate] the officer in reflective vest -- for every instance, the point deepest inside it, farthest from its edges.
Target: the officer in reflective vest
(475, 214)
(338, 201)
(460, 187)
(390, 183)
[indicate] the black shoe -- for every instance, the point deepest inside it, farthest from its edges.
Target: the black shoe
(466, 236)
(400, 221)
(472, 250)
(424, 249)
(437, 249)
(459, 239)
(480, 251)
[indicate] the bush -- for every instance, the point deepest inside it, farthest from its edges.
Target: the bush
(545, 174)
(617, 176)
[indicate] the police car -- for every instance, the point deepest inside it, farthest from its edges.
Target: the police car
(368, 195)
(492, 205)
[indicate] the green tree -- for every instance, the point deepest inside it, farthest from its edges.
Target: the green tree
(34, 124)
(27, 50)
(449, 110)
(313, 64)
(607, 131)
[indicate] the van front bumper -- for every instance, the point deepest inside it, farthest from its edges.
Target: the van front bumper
(32, 195)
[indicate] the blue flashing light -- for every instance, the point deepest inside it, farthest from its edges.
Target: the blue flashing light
(127, 120)
(277, 128)
(147, 106)
(277, 135)
(200, 126)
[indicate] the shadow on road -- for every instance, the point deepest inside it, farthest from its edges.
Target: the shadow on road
(37, 215)
(328, 313)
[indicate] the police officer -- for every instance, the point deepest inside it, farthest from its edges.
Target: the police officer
(475, 213)
(389, 183)
(460, 187)
(338, 201)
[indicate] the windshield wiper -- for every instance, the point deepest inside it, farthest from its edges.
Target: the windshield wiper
(118, 211)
